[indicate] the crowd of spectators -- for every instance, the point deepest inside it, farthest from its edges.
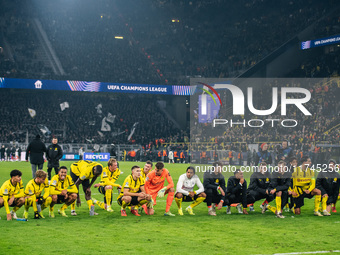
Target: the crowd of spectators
(82, 121)
(165, 42)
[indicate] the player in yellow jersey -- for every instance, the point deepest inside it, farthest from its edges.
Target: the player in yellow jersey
(304, 186)
(34, 197)
(62, 190)
(109, 176)
(144, 172)
(12, 194)
(82, 172)
(146, 169)
(133, 193)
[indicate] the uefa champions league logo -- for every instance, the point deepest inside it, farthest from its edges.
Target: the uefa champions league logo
(38, 84)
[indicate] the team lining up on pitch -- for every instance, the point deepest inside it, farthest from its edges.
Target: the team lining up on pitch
(141, 188)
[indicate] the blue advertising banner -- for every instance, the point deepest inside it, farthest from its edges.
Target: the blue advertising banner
(94, 86)
(320, 42)
(70, 156)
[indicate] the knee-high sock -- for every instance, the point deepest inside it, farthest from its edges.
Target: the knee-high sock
(47, 202)
(108, 195)
(15, 209)
(89, 203)
(101, 204)
(28, 203)
(197, 202)
(73, 206)
(271, 208)
(64, 207)
(317, 203)
(278, 203)
(179, 202)
(169, 200)
(324, 203)
(124, 204)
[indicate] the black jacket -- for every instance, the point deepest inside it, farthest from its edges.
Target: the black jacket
(36, 150)
(328, 182)
(234, 188)
(212, 181)
(260, 182)
(280, 182)
(54, 154)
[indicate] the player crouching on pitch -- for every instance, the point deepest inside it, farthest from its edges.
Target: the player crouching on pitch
(279, 185)
(34, 197)
(133, 193)
(63, 191)
(12, 194)
(304, 186)
(236, 192)
(108, 177)
(154, 185)
(185, 191)
(328, 182)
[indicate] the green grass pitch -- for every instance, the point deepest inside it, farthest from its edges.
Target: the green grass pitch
(109, 233)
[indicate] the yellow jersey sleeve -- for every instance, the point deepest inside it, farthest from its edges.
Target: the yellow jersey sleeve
(109, 178)
(5, 193)
(72, 188)
(54, 185)
(29, 190)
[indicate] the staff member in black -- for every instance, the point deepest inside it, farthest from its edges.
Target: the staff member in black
(35, 150)
(214, 188)
(53, 155)
(279, 185)
(328, 182)
(237, 192)
(259, 186)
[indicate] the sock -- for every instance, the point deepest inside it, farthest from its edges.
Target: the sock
(27, 204)
(317, 202)
(287, 205)
(100, 204)
(124, 204)
(51, 208)
(271, 208)
(63, 208)
(108, 195)
(179, 202)
(265, 202)
(197, 202)
(73, 206)
(34, 205)
(209, 206)
(324, 203)
(278, 203)
(169, 200)
(15, 209)
(145, 209)
(89, 203)
(47, 203)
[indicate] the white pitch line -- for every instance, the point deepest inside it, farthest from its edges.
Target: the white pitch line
(306, 252)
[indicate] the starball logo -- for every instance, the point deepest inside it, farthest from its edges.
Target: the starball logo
(238, 107)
